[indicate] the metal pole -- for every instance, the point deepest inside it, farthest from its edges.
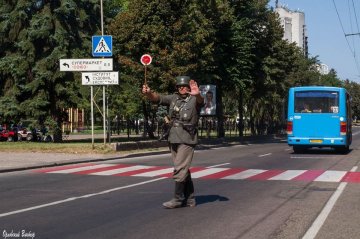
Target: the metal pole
(102, 17)
(104, 114)
(104, 99)
(109, 123)
(92, 117)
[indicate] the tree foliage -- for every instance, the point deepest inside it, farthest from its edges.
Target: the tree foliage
(38, 34)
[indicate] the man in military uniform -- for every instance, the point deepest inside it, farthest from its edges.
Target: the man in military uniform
(184, 108)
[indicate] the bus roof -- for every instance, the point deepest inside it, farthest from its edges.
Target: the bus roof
(325, 88)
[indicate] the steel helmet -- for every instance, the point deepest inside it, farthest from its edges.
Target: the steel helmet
(182, 80)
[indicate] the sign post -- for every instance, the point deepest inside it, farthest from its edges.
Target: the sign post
(146, 60)
(102, 47)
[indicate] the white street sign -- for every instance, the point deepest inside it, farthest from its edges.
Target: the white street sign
(100, 78)
(86, 64)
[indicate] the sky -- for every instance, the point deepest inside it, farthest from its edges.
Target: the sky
(326, 33)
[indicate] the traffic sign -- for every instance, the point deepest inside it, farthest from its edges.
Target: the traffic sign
(100, 78)
(146, 59)
(86, 64)
(101, 46)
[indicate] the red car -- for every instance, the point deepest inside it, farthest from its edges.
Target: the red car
(7, 135)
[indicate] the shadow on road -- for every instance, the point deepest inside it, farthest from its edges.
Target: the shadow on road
(209, 198)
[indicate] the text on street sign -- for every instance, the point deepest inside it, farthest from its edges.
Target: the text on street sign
(86, 64)
(100, 78)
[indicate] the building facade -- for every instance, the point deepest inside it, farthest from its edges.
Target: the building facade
(293, 23)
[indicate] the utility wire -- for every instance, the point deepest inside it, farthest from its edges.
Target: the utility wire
(356, 18)
(342, 27)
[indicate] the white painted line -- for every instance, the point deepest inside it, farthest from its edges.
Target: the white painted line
(155, 173)
(76, 198)
(331, 176)
(320, 220)
(263, 155)
(74, 170)
(206, 172)
(120, 170)
(288, 149)
(245, 174)
(288, 175)
(217, 165)
(312, 157)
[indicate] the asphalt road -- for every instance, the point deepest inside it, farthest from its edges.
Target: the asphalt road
(245, 191)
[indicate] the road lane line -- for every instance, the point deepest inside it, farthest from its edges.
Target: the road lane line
(320, 220)
(217, 165)
(313, 157)
(263, 155)
(76, 198)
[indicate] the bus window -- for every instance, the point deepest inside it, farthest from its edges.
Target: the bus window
(316, 102)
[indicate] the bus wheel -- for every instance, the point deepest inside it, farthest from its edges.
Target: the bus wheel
(298, 149)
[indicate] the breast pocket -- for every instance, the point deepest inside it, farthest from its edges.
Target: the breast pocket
(186, 113)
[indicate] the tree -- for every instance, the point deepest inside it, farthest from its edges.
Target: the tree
(354, 90)
(38, 34)
(176, 33)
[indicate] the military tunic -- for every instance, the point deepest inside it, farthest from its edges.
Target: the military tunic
(184, 111)
(182, 143)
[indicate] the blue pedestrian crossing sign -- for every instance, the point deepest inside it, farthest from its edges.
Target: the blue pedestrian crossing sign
(101, 46)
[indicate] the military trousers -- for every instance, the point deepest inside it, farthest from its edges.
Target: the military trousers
(182, 155)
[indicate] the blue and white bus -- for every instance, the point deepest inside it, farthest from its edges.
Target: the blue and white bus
(319, 116)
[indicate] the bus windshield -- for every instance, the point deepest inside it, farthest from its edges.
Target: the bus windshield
(316, 102)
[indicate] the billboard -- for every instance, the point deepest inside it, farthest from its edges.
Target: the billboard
(209, 94)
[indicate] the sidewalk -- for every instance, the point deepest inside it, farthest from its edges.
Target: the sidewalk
(14, 161)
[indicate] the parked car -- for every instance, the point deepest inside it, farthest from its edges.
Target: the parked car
(34, 135)
(24, 134)
(6, 134)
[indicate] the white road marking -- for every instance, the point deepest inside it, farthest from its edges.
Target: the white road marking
(288, 175)
(331, 176)
(245, 174)
(79, 169)
(120, 170)
(206, 172)
(312, 157)
(76, 198)
(320, 220)
(263, 155)
(217, 165)
(155, 173)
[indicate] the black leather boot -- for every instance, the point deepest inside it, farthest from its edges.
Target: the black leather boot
(189, 193)
(178, 199)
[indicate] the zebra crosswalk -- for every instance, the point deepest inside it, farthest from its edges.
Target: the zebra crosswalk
(206, 173)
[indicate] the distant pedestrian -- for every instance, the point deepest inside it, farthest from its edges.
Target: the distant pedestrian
(184, 109)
